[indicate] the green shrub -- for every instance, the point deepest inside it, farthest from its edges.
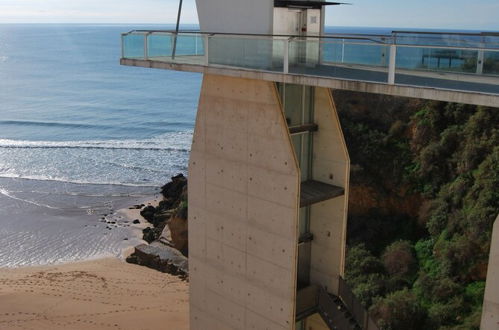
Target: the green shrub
(399, 310)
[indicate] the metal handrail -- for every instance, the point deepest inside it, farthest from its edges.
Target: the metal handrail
(366, 37)
(354, 305)
(477, 34)
(376, 38)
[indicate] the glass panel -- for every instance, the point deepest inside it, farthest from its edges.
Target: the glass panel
(298, 108)
(340, 58)
(190, 44)
(293, 104)
(304, 52)
(159, 45)
(491, 62)
(308, 104)
(246, 52)
(438, 39)
(306, 157)
(437, 59)
(355, 52)
(133, 45)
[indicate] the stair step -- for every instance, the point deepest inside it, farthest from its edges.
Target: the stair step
(313, 192)
(303, 128)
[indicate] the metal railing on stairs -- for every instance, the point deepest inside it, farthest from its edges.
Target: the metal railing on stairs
(354, 305)
(340, 312)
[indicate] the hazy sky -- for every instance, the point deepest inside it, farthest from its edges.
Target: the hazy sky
(459, 14)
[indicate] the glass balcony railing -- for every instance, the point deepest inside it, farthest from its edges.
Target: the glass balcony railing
(468, 62)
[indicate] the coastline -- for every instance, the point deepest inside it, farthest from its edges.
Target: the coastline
(131, 213)
(96, 294)
(50, 223)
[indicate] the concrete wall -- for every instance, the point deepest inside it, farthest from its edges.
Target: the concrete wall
(331, 165)
(236, 16)
(490, 314)
(243, 209)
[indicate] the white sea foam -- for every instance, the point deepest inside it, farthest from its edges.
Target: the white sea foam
(12, 196)
(169, 142)
(134, 163)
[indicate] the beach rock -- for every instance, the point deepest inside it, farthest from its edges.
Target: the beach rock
(160, 257)
(173, 189)
(148, 235)
(136, 221)
(148, 213)
(161, 216)
(167, 204)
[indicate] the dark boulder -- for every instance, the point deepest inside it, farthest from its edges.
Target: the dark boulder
(160, 257)
(148, 213)
(148, 235)
(160, 217)
(174, 189)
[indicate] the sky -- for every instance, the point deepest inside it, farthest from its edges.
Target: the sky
(452, 14)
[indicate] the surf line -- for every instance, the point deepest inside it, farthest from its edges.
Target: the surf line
(8, 194)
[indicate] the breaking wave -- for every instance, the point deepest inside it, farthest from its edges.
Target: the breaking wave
(181, 144)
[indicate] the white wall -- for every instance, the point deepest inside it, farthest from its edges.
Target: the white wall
(236, 16)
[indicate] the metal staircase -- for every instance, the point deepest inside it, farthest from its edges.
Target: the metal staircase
(343, 312)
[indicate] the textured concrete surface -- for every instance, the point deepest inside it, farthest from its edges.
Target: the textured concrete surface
(243, 209)
(331, 164)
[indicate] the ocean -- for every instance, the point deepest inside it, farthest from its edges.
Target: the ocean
(80, 137)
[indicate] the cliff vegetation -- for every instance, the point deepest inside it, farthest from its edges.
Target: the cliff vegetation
(424, 196)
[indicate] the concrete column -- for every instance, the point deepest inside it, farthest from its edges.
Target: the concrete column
(243, 209)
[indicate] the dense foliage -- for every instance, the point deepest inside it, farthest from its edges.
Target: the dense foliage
(421, 267)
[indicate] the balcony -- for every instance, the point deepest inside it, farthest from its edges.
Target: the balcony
(390, 64)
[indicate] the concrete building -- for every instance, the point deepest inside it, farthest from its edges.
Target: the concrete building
(269, 168)
(268, 187)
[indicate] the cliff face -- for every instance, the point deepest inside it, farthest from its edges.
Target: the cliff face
(423, 192)
(377, 132)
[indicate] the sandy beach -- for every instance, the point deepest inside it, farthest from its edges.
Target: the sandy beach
(98, 294)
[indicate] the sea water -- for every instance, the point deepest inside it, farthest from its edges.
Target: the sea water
(80, 137)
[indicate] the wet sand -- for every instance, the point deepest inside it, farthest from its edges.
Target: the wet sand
(99, 294)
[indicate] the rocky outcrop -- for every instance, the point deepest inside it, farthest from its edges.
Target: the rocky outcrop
(168, 231)
(160, 257)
